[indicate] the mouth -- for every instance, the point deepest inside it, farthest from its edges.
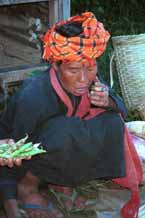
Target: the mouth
(81, 91)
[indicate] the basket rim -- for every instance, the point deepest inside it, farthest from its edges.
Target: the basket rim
(129, 39)
(129, 36)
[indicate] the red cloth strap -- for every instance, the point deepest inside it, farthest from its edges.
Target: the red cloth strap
(60, 92)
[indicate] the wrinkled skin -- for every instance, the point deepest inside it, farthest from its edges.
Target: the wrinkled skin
(76, 78)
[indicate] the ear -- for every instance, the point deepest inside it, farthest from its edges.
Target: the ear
(55, 66)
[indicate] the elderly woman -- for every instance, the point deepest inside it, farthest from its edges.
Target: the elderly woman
(75, 116)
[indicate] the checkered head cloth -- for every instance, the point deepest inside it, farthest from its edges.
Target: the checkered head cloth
(88, 45)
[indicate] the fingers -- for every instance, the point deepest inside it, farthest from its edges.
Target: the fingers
(10, 162)
(6, 162)
(3, 141)
(17, 162)
(99, 103)
(102, 101)
(7, 141)
(100, 88)
(99, 95)
(28, 158)
(2, 162)
(10, 141)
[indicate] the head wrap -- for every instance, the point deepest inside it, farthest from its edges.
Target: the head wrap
(86, 46)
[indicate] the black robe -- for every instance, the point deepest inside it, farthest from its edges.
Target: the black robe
(77, 150)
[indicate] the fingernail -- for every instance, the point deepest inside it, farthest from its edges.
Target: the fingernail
(97, 83)
(99, 89)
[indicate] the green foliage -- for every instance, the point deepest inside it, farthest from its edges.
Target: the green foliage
(120, 17)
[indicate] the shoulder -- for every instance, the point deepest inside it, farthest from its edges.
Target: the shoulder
(35, 86)
(36, 81)
(34, 92)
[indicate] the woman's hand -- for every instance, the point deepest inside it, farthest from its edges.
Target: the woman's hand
(10, 162)
(7, 141)
(99, 95)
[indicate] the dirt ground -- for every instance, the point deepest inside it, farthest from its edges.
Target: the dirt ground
(104, 204)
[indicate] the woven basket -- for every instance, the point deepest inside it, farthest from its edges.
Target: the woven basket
(130, 62)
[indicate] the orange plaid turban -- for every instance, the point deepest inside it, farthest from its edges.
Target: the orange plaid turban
(88, 45)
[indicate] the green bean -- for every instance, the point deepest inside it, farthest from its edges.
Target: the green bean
(36, 145)
(1, 151)
(5, 151)
(33, 147)
(14, 148)
(21, 149)
(27, 149)
(21, 141)
(5, 155)
(4, 146)
(33, 152)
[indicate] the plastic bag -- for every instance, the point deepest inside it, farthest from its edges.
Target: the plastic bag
(137, 128)
(139, 144)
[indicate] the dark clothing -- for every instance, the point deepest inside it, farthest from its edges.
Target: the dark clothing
(77, 150)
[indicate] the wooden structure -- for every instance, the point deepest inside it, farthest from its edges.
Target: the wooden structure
(58, 9)
(19, 53)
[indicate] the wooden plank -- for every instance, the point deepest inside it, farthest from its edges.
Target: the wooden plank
(58, 10)
(53, 12)
(13, 53)
(20, 74)
(12, 2)
(17, 24)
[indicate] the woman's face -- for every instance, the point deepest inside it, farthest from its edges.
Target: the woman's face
(76, 77)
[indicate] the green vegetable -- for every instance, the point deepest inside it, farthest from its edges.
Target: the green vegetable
(4, 146)
(5, 155)
(20, 149)
(32, 152)
(21, 141)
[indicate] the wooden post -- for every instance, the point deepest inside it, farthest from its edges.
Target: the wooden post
(16, 75)
(58, 10)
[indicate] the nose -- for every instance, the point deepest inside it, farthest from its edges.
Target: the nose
(83, 76)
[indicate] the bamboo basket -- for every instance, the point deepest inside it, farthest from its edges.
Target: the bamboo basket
(129, 54)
